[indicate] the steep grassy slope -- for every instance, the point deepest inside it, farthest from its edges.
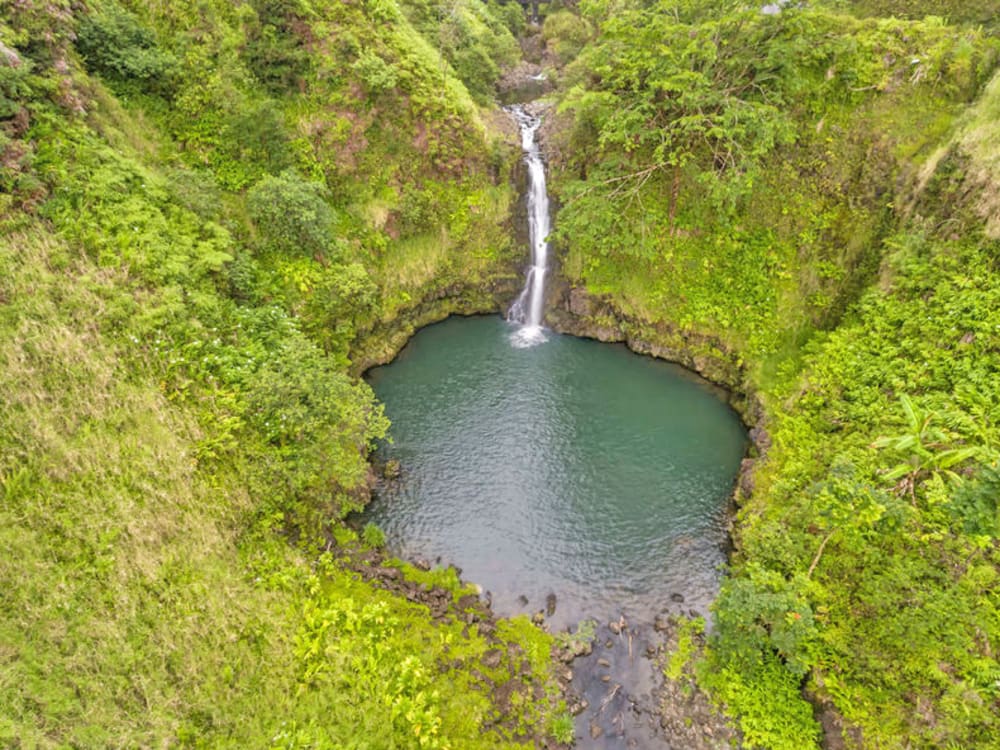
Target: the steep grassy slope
(202, 204)
(147, 597)
(808, 188)
(733, 172)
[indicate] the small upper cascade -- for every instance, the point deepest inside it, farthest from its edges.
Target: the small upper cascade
(527, 308)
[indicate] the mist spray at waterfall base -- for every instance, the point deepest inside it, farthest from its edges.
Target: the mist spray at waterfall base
(527, 308)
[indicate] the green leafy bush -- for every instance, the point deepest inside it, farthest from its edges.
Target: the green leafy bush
(956, 11)
(114, 44)
(320, 423)
(293, 216)
(511, 14)
(564, 729)
(255, 134)
(769, 704)
(376, 74)
(565, 33)
(703, 168)
(373, 536)
(343, 297)
(275, 50)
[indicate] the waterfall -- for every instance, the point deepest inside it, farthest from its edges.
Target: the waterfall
(527, 308)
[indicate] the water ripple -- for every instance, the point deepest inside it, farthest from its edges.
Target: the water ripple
(572, 468)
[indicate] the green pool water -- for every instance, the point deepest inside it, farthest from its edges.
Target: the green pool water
(571, 468)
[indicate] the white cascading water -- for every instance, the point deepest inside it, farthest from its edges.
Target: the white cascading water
(527, 308)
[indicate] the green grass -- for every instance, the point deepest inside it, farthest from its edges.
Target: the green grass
(179, 436)
(978, 138)
(126, 601)
(144, 603)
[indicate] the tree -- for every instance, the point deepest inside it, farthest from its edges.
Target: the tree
(292, 215)
(114, 44)
(927, 449)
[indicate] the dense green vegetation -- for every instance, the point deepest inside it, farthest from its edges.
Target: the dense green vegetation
(809, 188)
(202, 207)
(212, 212)
(729, 170)
(955, 11)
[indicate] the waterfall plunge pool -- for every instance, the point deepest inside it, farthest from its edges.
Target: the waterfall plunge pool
(566, 477)
(573, 468)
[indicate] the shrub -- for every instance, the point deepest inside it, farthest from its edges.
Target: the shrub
(372, 536)
(256, 135)
(565, 33)
(376, 74)
(510, 14)
(563, 729)
(340, 299)
(274, 51)
(318, 423)
(292, 215)
(477, 70)
(115, 45)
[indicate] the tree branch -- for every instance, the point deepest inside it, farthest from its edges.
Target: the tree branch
(819, 553)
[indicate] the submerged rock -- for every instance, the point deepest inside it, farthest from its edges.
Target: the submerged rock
(550, 604)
